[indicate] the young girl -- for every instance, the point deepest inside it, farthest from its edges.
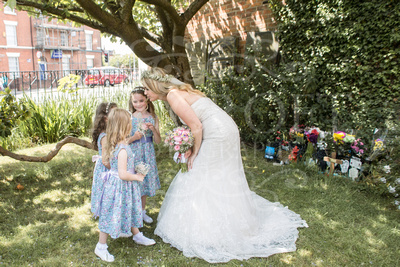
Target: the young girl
(144, 132)
(120, 207)
(98, 132)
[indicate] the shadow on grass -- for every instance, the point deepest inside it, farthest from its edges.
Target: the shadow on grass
(49, 222)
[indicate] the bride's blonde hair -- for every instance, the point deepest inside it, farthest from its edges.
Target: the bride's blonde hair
(119, 127)
(158, 81)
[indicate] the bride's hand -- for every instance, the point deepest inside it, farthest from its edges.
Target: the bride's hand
(188, 153)
(190, 161)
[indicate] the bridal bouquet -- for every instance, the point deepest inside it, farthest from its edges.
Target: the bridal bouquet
(142, 168)
(180, 140)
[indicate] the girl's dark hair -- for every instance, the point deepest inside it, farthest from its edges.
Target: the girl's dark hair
(150, 106)
(100, 122)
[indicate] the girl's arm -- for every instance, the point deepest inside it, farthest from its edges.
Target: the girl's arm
(105, 163)
(122, 171)
(155, 129)
(186, 113)
(135, 137)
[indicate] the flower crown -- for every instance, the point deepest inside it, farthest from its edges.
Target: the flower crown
(108, 107)
(138, 89)
(164, 79)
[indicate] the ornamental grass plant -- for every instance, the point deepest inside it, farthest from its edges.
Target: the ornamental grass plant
(47, 221)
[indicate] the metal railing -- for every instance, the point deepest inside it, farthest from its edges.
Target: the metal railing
(40, 84)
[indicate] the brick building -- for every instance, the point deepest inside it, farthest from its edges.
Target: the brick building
(36, 44)
(220, 32)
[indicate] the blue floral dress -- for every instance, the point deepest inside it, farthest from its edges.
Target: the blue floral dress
(97, 184)
(120, 206)
(144, 152)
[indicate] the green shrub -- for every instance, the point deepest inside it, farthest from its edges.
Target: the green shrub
(352, 51)
(257, 102)
(56, 118)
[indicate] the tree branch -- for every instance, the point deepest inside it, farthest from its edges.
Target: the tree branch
(59, 13)
(150, 36)
(192, 10)
(126, 13)
(166, 5)
(51, 154)
(99, 14)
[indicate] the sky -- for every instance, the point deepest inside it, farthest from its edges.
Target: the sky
(119, 49)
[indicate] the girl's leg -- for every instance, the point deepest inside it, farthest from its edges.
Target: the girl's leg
(144, 202)
(101, 248)
(146, 218)
(135, 230)
(103, 238)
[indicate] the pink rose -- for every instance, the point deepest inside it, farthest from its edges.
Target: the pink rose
(177, 147)
(361, 151)
(361, 143)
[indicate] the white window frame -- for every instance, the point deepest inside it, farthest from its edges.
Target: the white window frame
(66, 64)
(9, 11)
(11, 37)
(89, 40)
(13, 72)
(64, 38)
(89, 58)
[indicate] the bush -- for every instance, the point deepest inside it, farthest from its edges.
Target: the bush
(351, 50)
(55, 119)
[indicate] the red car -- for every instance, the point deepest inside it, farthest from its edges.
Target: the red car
(105, 76)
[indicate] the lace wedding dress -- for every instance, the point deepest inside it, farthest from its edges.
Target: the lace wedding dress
(210, 212)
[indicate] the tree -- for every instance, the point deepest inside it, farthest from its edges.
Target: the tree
(137, 23)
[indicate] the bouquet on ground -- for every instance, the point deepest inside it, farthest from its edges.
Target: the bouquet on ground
(142, 168)
(180, 140)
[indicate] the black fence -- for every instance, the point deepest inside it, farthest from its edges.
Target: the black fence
(47, 81)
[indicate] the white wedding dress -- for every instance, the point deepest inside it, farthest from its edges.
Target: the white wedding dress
(210, 212)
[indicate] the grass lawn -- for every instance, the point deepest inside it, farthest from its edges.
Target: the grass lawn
(49, 223)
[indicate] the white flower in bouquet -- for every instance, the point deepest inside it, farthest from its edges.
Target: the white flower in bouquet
(383, 180)
(397, 181)
(142, 168)
(142, 127)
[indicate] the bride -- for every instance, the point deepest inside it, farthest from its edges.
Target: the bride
(209, 212)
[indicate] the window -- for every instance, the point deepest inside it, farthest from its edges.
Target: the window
(89, 40)
(41, 36)
(11, 32)
(64, 38)
(89, 63)
(65, 65)
(13, 64)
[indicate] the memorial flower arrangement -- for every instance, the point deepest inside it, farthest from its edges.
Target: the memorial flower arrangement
(358, 147)
(180, 140)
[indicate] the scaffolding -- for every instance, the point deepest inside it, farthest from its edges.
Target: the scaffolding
(62, 46)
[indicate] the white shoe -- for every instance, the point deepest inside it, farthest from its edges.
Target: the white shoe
(104, 255)
(140, 239)
(146, 218)
(125, 235)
